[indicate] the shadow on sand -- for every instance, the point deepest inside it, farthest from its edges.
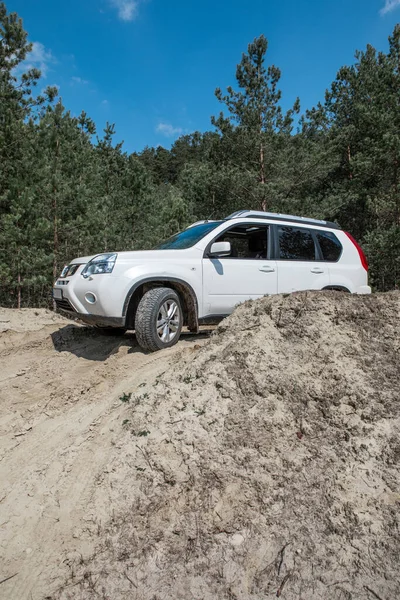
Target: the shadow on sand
(93, 344)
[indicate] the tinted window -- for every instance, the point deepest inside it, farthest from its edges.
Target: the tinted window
(189, 237)
(247, 241)
(295, 244)
(330, 246)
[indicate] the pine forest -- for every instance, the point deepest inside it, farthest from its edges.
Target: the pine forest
(67, 190)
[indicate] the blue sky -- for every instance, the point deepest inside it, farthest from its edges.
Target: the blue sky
(151, 66)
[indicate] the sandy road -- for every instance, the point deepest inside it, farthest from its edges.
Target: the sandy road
(60, 385)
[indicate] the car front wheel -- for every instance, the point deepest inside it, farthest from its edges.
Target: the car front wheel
(159, 319)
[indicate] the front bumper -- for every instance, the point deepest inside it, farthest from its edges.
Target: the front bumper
(106, 293)
(64, 304)
(98, 320)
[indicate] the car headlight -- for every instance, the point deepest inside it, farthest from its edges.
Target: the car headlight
(103, 263)
(69, 270)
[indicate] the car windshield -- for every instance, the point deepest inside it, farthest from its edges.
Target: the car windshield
(189, 237)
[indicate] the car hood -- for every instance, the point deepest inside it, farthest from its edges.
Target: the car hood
(141, 255)
(82, 260)
(125, 256)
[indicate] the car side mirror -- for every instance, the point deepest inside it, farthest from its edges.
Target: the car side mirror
(220, 249)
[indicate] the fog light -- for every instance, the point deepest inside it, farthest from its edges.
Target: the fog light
(91, 298)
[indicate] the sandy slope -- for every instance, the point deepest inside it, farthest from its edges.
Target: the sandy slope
(60, 423)
(262, 463)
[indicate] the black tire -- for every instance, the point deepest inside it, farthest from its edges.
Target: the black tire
(147, 316)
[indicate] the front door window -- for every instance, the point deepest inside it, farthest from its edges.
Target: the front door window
(247, 241)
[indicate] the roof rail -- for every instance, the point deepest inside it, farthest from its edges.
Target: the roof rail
(257, 214)
(202, 222)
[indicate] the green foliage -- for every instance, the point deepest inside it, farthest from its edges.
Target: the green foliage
(256, 130)
(383, 249)
(64, 195)
(126, 397)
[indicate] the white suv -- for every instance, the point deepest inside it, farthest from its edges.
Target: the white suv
(199, 275)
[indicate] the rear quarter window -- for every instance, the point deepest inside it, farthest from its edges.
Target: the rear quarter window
(330, 246)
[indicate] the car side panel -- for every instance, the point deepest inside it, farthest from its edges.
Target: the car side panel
(298, 275)
(228, 282)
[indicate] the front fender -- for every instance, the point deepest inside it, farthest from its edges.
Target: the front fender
(182, 287)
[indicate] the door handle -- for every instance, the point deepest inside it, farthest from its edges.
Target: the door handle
(317, 270)
(267, 269)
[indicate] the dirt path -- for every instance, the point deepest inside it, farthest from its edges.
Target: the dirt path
(60, 386)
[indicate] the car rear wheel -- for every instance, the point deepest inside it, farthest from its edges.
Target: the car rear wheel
(159, 319)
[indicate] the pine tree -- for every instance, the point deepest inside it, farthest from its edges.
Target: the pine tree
(18, 109)
(256, 120)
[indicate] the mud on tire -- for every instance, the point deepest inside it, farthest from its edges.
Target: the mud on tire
(159, 319)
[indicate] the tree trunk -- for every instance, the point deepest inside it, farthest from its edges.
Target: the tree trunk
(107, 202)
(19, 288)
(349, 162)
(55, 234)
(55, 221)
(262, 178)
(262, 168)
(396, 189)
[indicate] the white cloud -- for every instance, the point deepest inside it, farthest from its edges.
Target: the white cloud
(39, 58)
(79, 80)
(104, 102)
(127, 9)
(389, 6)
(168, 130)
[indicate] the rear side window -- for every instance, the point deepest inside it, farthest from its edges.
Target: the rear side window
(295, 243)
(330, 246)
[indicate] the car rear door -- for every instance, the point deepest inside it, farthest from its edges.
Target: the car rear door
(298, 260)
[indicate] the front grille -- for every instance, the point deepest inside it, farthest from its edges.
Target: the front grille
(64, 304)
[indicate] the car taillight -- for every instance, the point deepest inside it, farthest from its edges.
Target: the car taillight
(362, 256)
